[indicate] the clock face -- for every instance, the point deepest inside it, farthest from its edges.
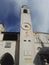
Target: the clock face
(26, 26)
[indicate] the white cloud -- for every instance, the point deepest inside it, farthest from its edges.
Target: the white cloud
(21, 2)
(41, 8)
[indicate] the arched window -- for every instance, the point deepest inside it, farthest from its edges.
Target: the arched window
(7, 59)
(25, 11)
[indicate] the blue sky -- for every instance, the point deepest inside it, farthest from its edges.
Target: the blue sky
(10, 14)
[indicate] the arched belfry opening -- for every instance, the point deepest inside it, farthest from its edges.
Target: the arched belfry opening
(7, 59)
(25, 11)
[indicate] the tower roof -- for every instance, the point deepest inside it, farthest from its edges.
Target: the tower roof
(25, 6)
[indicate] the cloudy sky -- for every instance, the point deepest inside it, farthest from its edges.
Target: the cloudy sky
(10, 14)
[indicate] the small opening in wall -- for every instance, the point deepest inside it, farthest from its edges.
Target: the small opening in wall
(24, 40)
(25, 11)
(29, 40)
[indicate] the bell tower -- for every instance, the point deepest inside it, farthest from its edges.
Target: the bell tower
(26, 38)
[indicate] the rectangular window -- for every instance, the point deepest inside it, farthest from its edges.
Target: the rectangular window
(8, 45)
